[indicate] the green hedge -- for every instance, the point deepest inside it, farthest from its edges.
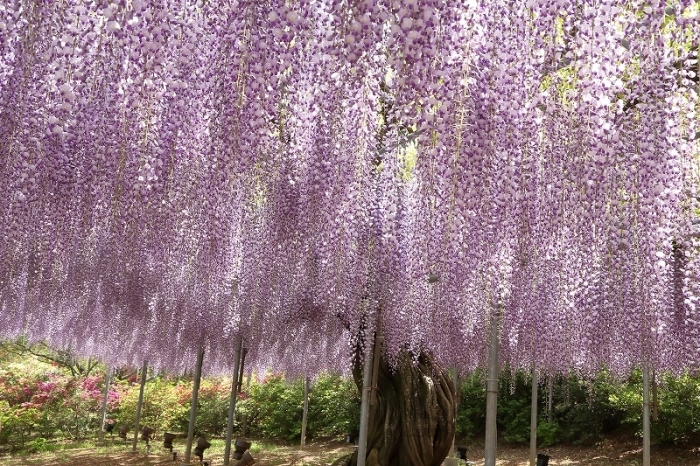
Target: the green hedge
(274, 408)
(583, 411)
(39, 401)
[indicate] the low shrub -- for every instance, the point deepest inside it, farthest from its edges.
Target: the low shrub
(274, 407)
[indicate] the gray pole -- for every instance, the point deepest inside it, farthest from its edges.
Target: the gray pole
(646, 450)
(364, 407)
(244, 424)
(144, 370)
(455, 384)
(550, 396)
(193, 408)
(305, 415)
(533, 419)
(101, 436)
(492, 395)
(232, 402)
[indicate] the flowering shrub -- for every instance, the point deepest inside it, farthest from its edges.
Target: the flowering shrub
(39, 399)
(38, 402)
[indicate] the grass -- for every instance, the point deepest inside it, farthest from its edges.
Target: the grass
(270, 453)
(41, 445)
(219, 445)
(86, 453)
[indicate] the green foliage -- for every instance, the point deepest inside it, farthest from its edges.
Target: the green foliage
(275, 407)
(40, 401)
(17, 424)
(471, 411)
(38, 445)
(212, 407)
(334, 407)
(583, 410)
(547, 433)
(162, 408)
(627, 398)
(581, 413)
(514, 395)
(678, 410)
(678, 407)
(73, 404)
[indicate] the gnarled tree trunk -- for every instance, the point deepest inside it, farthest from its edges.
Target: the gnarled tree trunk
(413, 422)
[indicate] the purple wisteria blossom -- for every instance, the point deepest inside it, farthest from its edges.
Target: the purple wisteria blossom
(180, 173)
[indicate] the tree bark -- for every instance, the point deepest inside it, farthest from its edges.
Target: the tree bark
(413, 421)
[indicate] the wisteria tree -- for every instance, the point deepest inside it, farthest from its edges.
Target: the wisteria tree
(300, 174)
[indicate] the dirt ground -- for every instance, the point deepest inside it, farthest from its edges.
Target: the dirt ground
(117, 454)
(317, 454)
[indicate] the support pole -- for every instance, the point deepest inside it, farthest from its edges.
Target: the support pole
(455, 383)
(364, 407)
(101, 435)
(378, 339)
(458, 387)
(550, 396)
(646, 450)
(305, 414)
(654, 398)
(232, 401)
(244, 424)
(193, 408)
(492, 395)
(144, 370)
(533, 419)
(244, 351)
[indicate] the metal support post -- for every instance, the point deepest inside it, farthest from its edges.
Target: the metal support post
(103, 417)
(646, 450)
(144, 373)
(232, 401)
(305, 415)
(364, 407)
(492, 395)
(244, 423)
(193, 408)
(533, 419)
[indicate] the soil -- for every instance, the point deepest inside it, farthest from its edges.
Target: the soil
(324, 453)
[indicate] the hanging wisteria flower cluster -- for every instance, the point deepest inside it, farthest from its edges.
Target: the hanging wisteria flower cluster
(182, 173)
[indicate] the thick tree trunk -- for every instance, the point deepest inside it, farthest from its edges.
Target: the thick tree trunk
(413, 422)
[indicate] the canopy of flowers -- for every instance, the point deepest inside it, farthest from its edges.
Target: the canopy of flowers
(183, 172)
